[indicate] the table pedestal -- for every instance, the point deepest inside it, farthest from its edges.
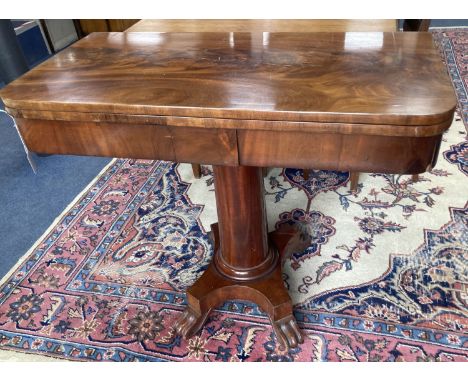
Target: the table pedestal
(247, 261)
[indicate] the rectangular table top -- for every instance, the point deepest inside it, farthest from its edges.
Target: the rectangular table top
(264, 25)
(363, 78)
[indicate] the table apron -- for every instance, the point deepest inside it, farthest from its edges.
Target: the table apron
(363, 153)
(180, 144)
(230, 147)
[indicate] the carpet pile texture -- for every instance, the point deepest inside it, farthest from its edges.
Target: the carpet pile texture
(385, 278)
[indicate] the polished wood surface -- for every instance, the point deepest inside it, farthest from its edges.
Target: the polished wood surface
(121, 25)
(198, 25)
(331, 151)
(242, 101)
(241, 214)
(363, 153)
(196, 169)
(241, 124)
(87, 26)
(267, 25)
(354, 181)
(266, 290)
(123, 140)
(367, 78)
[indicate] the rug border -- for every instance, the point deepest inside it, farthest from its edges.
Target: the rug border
(21, 260)
(7, 355)
(4, 353)
(24, 355)
(460, 104)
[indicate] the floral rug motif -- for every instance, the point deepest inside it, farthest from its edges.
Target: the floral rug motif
(458, 154)
(385, 278)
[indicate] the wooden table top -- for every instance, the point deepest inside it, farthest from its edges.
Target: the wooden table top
(265, 25)
(363, 78)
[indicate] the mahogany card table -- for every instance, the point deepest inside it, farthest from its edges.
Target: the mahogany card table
(370, 102)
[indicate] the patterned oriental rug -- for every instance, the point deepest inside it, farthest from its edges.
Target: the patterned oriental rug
(385, 278)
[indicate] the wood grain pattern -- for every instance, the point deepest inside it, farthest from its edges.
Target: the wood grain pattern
(210, 146)
(88, 26)
(395, 155)
(197, 171)
(266, 25)
(241, 214)
(345, 152)
(267, 291)
(241, 101)
(214, 146)
(90, 138)
(365, 78)
(354, 181)
(241, 124)
(120, 25)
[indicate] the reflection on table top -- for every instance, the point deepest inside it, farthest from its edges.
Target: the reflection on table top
(266, 25)
(356, 77)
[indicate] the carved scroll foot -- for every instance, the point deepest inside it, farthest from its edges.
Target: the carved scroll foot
(268, 292)
(287, 332)
(190, 322)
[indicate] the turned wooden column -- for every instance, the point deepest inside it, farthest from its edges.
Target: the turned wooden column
(163, 104)
(244, 251)
(246, 259)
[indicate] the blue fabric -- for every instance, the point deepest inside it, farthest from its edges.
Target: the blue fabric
(33, 46)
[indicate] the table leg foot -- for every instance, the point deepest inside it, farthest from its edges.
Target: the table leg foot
(190, 322)
(287, 332)
(196, 168)
(268, 292)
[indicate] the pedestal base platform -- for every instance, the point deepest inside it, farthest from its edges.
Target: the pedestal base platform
(268, 291)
